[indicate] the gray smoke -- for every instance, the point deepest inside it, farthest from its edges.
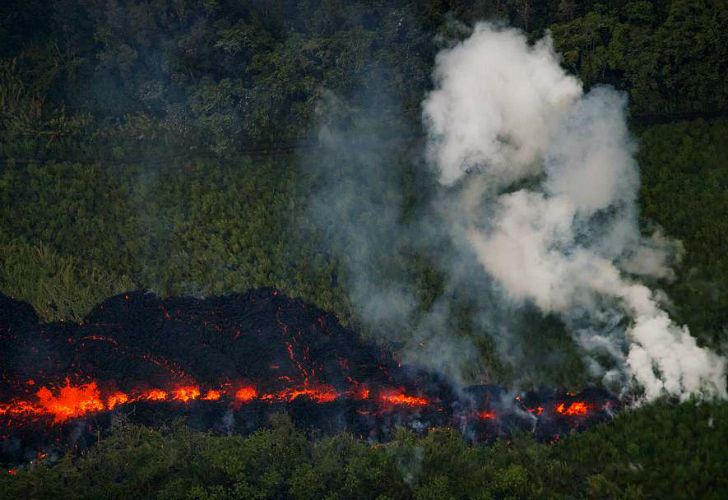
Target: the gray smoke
(546, 187)
(357, 205)
(526, 217)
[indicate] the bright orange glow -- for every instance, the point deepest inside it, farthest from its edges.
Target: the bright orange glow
(116, 399)
(401, 399)
(361, 392)
(71, 401)
(154, 395)
(15, 408)
(186, 393)
(59, 404)
(212, 395)
(320, 393)
(245, 394)
(574, 409)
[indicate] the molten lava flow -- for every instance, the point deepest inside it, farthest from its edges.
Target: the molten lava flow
(71, 401)
(116, 399)
(186, 393)
(577, 408)
(536, 411)
(154, 395)
(17, 408)
(139, 354)
(246, 394)
(321, 393)
(360, 392)
(212, 395)
(401, 399)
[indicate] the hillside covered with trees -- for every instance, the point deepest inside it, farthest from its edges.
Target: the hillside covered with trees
(167, 145)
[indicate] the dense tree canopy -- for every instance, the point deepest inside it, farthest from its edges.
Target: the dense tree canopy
(661, 451)
(156, 144)
(129, 126)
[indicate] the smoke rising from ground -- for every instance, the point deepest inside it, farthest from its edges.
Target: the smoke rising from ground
(503, 114)
(495, 105)
(527, 214)
(357, 205)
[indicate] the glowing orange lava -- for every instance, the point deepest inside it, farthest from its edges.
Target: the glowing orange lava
(62, 403)
(245, 394)
(401, 399)
(360, 392)
(154, 395)
(537, 410)
(71, 401)
(17, 408)
(574, 409)
(212, 395)
(320, 393)
(116, 399)
(186, 393)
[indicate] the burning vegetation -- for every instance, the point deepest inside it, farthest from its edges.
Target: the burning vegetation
(227, 364)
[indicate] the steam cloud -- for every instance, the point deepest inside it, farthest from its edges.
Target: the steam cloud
(546, 187)
(529, 214)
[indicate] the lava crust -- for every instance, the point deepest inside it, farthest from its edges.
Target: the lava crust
(226, 364)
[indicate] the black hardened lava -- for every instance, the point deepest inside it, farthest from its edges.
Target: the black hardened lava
(226, 364)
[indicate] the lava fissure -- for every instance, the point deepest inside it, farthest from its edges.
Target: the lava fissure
(227, 363)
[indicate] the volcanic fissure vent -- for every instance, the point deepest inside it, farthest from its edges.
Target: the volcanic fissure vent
(227, 364)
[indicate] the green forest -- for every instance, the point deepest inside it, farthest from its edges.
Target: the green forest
(654, 452)
(165, 145)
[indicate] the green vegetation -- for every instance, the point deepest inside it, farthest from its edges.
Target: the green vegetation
(659, 451)
(157, 145)
(669, 56)
(685, 189)
(59, 287)
(127, 132)
(198, 228)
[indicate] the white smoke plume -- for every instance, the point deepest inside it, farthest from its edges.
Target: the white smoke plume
(547, 188)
